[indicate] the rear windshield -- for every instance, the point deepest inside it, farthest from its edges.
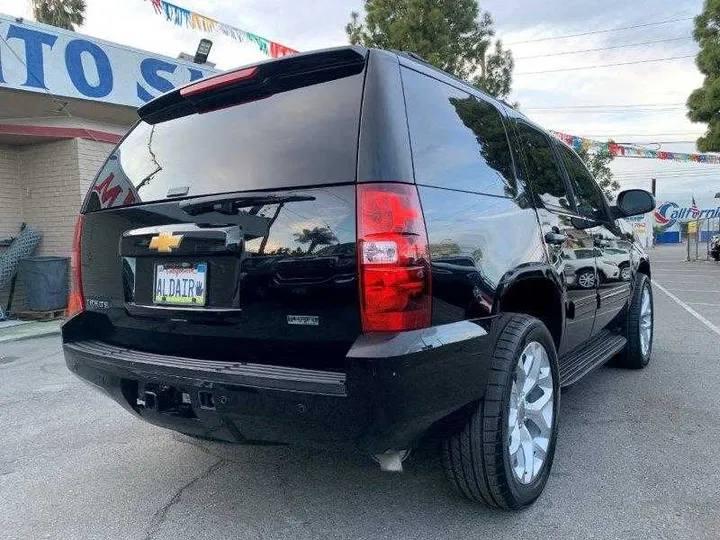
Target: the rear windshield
(302, 137)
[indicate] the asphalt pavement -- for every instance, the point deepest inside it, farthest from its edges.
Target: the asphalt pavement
(638, 457)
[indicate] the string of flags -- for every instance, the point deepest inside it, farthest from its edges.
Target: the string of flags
(180, 16)
(184, 17)
(631, 150)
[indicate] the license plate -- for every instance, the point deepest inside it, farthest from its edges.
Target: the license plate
(180, 284)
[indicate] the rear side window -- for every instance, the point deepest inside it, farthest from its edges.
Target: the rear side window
(301, 137)
(587, 192)
(458, 141)
(542, 169)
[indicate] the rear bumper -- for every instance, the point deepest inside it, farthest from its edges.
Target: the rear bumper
(394, 389)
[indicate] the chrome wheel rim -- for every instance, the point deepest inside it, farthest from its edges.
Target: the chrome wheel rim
(530, 418)
(586, 280)
(646, 322)
(625, 274)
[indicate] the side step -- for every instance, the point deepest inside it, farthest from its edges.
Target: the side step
(594, 353)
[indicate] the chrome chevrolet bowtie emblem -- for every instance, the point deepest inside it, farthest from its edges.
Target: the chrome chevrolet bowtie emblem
(165, 242)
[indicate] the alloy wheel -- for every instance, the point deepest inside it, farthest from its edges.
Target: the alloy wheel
(586, 280)
(646, 322)
(530, 419)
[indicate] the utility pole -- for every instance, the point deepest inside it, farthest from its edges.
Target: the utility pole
(653, 190)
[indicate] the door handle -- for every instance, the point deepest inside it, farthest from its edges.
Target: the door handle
(555, 238)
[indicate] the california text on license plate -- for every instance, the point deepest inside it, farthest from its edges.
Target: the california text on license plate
(180, 284)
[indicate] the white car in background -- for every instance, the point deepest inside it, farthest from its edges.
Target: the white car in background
(620, 257)
(580, 266)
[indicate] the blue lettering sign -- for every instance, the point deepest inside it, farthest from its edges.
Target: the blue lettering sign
(73, 61)
(150, 68)
(34, 41)
(195, 74)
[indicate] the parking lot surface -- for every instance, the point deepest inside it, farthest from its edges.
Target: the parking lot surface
(637, 457)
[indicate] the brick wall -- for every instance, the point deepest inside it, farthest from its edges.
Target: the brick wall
(91, 156)
(10, 191)
(49, 174)
(11, 214)
(44, 185)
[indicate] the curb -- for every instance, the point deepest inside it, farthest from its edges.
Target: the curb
(35, 330)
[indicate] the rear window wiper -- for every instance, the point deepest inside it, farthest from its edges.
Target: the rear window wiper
(229, 205)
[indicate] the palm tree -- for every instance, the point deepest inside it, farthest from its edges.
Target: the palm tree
(317, 236)
(61, 13)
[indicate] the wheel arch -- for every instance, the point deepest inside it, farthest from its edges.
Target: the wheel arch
(539, 296)
(644, 268)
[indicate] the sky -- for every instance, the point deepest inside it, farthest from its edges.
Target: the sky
(641, 102)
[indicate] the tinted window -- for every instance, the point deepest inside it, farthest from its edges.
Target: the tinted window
(542, 169)
(306, 136)
(589, 199)
(458, 141)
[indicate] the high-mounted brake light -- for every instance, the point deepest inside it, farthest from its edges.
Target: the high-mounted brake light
(76, 300)
(393, 258)
(221, 81)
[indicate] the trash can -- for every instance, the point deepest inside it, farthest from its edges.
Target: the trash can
(46, 282)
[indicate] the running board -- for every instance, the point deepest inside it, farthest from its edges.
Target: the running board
(593, 354)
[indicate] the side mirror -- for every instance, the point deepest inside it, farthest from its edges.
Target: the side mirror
(633, 202)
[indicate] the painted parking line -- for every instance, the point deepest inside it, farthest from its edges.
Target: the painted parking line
(672, 283)
(687, 308)
(675, 272)
(701, 304)
(695, 290)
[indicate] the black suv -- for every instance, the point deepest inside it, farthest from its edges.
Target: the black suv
(350, 248)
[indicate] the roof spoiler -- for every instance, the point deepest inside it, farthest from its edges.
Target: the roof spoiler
(249, 83)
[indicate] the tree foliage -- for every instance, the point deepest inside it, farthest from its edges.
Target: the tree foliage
(704, 102)
(317, 236)
(61, 13)
(487, 126)
(453, 35)
(598, 163)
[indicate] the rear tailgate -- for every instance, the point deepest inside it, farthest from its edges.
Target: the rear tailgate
(223, 227)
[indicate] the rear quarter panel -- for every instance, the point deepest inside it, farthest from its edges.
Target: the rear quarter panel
(480, 245)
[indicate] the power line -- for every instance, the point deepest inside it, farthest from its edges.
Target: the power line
(607, 65)
(689, 174)
(659, 23)
(659, 142)
(605, 48)
(640, 134)
(628, 105)
(616, 111)
(661, 176)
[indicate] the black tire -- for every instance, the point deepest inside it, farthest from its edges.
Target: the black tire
(632, 357)
(476, 459)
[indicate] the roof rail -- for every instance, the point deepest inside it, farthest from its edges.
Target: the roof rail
(412, 55)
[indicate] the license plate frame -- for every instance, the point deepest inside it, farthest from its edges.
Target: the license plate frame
(175, 291)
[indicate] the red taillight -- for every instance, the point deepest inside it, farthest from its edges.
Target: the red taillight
(76, 301)
(214, 83)
(393, 258)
